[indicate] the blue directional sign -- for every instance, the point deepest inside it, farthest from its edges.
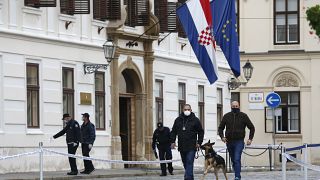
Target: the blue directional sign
(273, 100)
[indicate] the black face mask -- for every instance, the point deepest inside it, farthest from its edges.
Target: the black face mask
(235, 110)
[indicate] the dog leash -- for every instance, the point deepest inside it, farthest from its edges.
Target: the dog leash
(197, 154)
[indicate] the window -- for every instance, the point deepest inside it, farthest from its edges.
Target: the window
(238, 18)
(72, 7)
(159, 100)
(286, 21)
(235, 96)
(201, 105)
(138, 13)
(219, 106)
(106, 10)
(180, 30)
(182, 96)
(100, 101)
(33, 95)
(68, 91)
(166, 13)
(40, 3)
(287, 114)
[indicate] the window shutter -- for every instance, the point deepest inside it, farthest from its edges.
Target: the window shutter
(40, 3)
(161, 11)
(131, 13)
(100, 10)
(180, 30)
(172, 17)
(72, 7)
(81, 7)
(113, 9)
(142, 12)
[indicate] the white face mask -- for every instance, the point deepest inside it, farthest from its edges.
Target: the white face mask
(187, 113)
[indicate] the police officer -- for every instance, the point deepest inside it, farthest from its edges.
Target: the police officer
(72, 129)
(88, 136)
(161, 139)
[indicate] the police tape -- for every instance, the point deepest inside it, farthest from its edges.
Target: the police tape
(19, 155)
(110, 161)
(301, 163)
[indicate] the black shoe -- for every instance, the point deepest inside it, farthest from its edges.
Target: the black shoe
(163, 174)
(84, 172)
(171, 173)
(72, 173)
(90, 171)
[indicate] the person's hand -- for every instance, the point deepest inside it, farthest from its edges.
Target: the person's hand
(155, 154)
(173, 145)
(224, 139)
(75, 144)
(249, 141)
(90, 146)
(197, 146)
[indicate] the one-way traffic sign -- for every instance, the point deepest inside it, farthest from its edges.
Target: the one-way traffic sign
(273, 100)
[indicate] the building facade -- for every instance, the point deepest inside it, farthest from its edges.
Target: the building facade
(275, 36)
(44, 50)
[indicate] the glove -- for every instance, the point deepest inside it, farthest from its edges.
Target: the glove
(90, 146)
(155, 154)
(51, 139)
(75, 144)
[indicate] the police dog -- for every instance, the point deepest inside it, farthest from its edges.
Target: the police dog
(213, 160)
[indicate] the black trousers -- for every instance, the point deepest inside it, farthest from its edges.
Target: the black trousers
(72, 161)
(85, 152)
(165, 154)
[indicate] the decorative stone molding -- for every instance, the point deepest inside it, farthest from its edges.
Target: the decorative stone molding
(287, 80)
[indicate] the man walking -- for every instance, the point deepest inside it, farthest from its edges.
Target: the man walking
(190, 136)
(88, 136)
(72, 129)
(235, 123)
(161, 140)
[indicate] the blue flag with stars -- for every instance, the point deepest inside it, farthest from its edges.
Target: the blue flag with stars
(225, 31)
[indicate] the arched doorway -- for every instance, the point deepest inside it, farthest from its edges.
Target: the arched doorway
(131, 114)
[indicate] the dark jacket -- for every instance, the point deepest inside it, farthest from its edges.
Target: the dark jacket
(88, 133)
(236, 124)
(161, 139)
(188, 138)
(72, 129)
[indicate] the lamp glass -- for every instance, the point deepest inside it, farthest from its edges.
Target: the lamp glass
(109, 50)
(247, 70)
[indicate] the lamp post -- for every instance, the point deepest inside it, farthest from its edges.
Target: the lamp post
(234, 83)
(109, 49)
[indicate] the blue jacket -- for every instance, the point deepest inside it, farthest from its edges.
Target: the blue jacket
(88, 133)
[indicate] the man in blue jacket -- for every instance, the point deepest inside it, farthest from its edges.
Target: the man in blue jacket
(88, 136)
(72, 129)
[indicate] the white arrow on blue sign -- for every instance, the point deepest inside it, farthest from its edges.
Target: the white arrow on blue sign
(273, 100)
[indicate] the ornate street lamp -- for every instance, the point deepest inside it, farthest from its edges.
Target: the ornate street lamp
(109, 49)
(234, 83)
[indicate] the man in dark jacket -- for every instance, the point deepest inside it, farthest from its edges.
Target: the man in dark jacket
(88, 136)
(72, 129)
(161, 140)
(236, 123)
(190, 136)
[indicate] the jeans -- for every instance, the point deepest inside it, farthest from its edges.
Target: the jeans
(187, 160)
(165, 154)
(85, 152)
(235, 150)
(72, 161)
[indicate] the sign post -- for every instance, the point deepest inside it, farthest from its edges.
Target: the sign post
(273, 101)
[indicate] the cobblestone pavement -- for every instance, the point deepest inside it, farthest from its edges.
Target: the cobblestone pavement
(275, 175)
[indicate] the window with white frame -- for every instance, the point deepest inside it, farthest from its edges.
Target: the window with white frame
(286, 21)
(159, 100)
(201, 105)
(219, 106)
(33, 120)
(68, 91)
(181, 96)
(100, 118)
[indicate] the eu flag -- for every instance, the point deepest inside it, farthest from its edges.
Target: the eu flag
(225, 31)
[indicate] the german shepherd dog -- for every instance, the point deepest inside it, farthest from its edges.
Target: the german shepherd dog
(213, 160)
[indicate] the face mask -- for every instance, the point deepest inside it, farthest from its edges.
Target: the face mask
(65, 121)
(187, 113)
(235, 110)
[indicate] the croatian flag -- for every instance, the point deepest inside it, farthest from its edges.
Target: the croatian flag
(196, 18)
